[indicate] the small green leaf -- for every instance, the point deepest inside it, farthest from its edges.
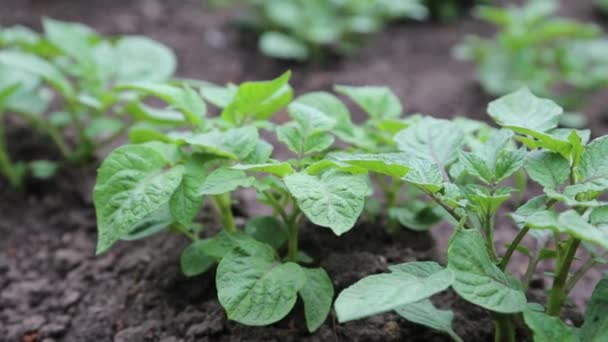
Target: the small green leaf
(593, 167)
(133, 182)
(235, 143)
(39, 67)
(194, 260)
(334, 200)
(280, 169)
(103, 127)
(435, 140)
(310, 120)
(425, 313)
(391, 164)
(548, 169)
(406, 284)
(548, 328)
(569, 222)
(224, 180)
(425, 174)
(595, 328)
(522, 112)
(267, 229)
(330, 106)
(279, 45)
(317, 295)
(141, 59)
(219, 96)
(258, 100)
(378, 102)
(261, 154)
(43, 169)
(478, 280)
(256, 290)
(73, 39)
(300, 143)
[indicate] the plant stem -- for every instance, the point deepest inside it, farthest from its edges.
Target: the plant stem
(558, 291)
(446, 207)
(181, 229)
(293, 226)
(505, 259)
(222, 205)
(7, 168)
(532, 263)
(490, 237)
(505, 331)
(390, 202)
(578, 275)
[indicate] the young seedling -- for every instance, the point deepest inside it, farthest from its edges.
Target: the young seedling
(307, 30)
(468, 183)
(555, 57)
(81, 68)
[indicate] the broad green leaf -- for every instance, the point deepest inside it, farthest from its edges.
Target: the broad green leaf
(267, 229)
(436, 140)
(478, 280)
(378, 102)
(575, 196)
(416, 215)
(186, 202)
(425, 313)
(141, 59)
(595, 328)
(142, 112)
(523, 112)
(534, 205)
(310, 120)
(391, 164)
(194, 260)
(593, 168)
(224, 180)
(548, 169)
(258, 100)
(547, 328)
(103, 127)
(224, 242)
(254, 289)
(330, 106)
(235, 143)
(279, 45)
(186, 100)
(599, 216)
(73, 39)
(280, 169)
(569, 222)
(261, 154)
(317, 295)
(334, 200)
(132, 182)
(406, 284)
(219, 96)
(39, 67)
(153, 223)
(425, 174)
(300, 143)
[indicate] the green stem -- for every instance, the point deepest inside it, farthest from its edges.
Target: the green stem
(293, 226)
(446, 207)
(391, 202)
(558, 291)
(532, 263)
(578, 275)
(182, 230)
(490, 237)
(505, 259)
(222, 204)
(505, 331)
(7, 168)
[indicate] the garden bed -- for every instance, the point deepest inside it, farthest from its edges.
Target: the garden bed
(52, 286)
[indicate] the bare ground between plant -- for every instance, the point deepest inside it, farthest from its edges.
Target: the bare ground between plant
(53, 287)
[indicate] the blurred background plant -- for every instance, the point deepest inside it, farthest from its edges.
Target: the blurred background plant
(553, 56)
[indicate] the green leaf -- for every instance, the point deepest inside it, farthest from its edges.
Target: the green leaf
(254, 289)
(153, 223)
(39, 67)
(593, 168)
(425, 313)
(416, 215)
(141, 59)
(391, 164)
(235, 143)
(485, 202)
(267, 229)
(133, 182)
(548, 169)
(478, 280)
(73, 39)
(103, 127)
(142, 112)
(317, 295)
(436, 140)
(43, 169)
(258, 100)
(310, 120)
(522, 112)
(595, 328)
(194, 260)
(224, 242)
(425, 174)
(280, 169)
(378, 102)
(548, 328)
(186, 100)
(330, 106)
(279, 45)
(261, 154)
(300, 142)
(186, 202)
(569, 222)
(406, 284)
(334, 200)
(224, 180)
(219, 96)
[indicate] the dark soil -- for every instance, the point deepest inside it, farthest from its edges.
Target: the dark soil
(53, 287)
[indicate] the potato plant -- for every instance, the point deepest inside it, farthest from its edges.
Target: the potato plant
(553, 56)
(308, 29)
(446, 10)
(62, 83)
(471, 184)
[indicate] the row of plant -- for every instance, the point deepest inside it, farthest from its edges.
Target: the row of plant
(458, 170)
(311, 29)
(62, 83)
